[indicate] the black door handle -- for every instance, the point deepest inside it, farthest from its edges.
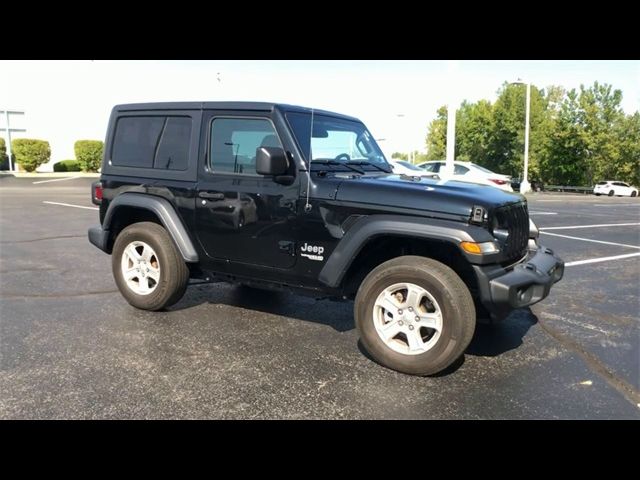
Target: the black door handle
(211, 195)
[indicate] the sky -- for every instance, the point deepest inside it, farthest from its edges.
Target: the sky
(67, 101)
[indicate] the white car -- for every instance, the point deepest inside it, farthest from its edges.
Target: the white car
(402, 167)
(611, 188)
(470, 172)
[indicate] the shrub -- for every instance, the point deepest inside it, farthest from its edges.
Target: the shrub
(31, 153)
(67, 166)
(89, 154)
(4, 158)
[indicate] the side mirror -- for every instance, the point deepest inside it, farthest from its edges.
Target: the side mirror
(271, 161)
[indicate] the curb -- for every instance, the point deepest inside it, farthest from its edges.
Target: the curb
(49, 174)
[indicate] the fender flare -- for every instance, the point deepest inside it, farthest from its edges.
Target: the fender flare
(168, 216)
(397, 225)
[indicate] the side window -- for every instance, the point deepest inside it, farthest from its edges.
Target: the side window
(234, 142)
(158, 142)
(430, 167)
(459, 170)
(173, 149)
(134, 142)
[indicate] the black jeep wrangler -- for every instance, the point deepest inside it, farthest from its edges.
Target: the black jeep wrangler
(283, 197)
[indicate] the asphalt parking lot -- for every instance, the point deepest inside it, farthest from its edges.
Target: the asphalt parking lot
(71, 347)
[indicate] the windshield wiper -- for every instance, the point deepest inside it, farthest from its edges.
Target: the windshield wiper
(331, 161)
(364, 162)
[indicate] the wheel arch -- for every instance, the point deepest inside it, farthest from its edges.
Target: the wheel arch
(379, 238)
(129, 208)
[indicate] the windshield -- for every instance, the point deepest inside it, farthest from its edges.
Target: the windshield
(335, 139)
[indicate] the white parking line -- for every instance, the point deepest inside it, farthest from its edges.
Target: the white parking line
(616, 204)
(573, 227)
(543, 213)
(590, 240)
(602, 259)
(69, 205)
(55, 180)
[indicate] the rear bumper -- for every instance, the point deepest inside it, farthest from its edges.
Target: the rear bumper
(529, 281)
(99, 238)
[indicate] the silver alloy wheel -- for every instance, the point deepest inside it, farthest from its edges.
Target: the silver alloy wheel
(407, 318)
(140, 268)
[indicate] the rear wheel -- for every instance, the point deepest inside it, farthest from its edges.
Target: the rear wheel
(634, 193)
(414, 315)
(611, 192)
(148, 268)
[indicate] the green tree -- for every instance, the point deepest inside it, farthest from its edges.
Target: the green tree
(31, 153)
(437, 135)
(89, 154)
(598, 116)
(576, 137)
(400, 155)
(474, 122)
(563, 163)
(506, 149)
(627, 166)
(4, 158)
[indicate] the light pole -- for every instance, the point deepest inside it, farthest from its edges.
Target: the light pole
(525, 186)
(403, 117)
(9, 130)
(412, 152)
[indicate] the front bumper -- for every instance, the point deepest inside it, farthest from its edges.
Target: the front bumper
(525, 283)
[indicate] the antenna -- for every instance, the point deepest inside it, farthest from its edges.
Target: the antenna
(307, 205)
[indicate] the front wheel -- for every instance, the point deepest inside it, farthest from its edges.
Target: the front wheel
(414, 315)
(610, 193)
(634, 193)
(147, 267)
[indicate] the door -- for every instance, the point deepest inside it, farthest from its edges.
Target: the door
(242, 216)
(622, 189)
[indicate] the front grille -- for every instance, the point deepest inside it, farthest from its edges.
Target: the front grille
(515, 220)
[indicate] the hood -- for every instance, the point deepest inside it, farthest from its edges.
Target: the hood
(422, 193)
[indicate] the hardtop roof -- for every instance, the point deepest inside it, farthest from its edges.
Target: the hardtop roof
(240, 106)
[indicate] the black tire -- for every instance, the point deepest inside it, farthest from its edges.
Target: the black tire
(174, 273)
(634, 193)
(456, 303)
(611, 192)
(598, 194)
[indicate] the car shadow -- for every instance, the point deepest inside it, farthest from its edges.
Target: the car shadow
(489, 340)
(337, 315)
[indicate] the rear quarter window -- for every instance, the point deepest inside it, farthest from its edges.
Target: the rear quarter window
(459, 170)
(158, 142)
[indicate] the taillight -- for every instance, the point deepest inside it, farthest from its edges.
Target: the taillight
(498, 182)
(96, 193)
